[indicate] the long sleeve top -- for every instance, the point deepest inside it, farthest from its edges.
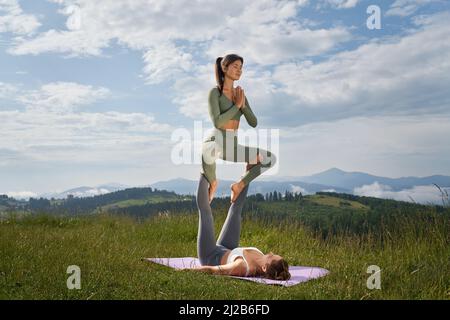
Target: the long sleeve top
(221, 109)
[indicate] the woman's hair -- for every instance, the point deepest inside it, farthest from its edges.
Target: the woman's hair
(278, 270)
(221, 63)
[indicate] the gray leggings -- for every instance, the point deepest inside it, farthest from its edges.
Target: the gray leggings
(209, 252)
(223, 144)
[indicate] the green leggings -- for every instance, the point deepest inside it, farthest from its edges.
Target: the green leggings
(224, 144)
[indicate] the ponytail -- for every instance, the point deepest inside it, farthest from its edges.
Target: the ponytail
(220, 75)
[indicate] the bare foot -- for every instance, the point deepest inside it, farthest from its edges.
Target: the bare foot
(236, 189)
(212, 189)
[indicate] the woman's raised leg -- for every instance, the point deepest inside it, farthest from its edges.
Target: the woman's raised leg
(206, 244)
(258, 161)
(231, 229)
(256, 167)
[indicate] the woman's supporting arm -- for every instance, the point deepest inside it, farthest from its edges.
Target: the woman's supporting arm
(249, 115)
(214, 110)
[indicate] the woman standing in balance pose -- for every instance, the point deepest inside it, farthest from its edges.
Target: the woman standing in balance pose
(226, 105)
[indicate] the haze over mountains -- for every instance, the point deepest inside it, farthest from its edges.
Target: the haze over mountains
(417, 189)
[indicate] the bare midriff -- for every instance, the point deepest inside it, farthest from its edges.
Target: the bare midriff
(231, 125)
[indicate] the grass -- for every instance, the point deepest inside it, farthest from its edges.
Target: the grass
(35, 252)
(335, 202)
(140, 202)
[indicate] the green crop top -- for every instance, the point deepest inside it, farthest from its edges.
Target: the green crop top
(221, 109)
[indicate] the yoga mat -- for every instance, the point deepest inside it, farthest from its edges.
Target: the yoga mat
(298, 273)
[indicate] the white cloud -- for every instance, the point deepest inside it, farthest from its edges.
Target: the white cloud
(7, 90)
(281, 42)
(166, 62)
(404, 76)
(138, 24)
(21, 194)
(339, 4)
(170, 43)
(298, 189)
(108, 137)
(285, 38)
(74, 43)
(421, 194)
(62, 97)
(13, 19)
(51, 129)
(405, 8)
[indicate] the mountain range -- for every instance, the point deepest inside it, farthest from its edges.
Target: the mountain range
(333, 179)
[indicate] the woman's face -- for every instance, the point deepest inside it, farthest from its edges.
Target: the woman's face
(234, 70)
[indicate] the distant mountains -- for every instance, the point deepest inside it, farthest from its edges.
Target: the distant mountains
(86, 191)
(351, 180)
(185, 186)
(334, 180)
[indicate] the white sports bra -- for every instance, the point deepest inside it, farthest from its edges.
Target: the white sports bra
(239, 252)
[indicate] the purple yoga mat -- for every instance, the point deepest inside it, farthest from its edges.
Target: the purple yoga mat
(298, 274)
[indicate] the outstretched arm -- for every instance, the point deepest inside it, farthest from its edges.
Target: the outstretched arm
(235, 268)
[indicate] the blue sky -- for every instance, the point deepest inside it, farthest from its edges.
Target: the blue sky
(91, 91)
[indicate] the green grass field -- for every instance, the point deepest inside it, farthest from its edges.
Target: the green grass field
(140, 202)
(35, 252)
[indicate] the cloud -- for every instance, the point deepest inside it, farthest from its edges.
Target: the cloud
(7, 90)
(285, 37)
(51, 129)
(166, 62)
(21, 194)
(108, 137)
(62, 97)
(405, 8)
(399, 76)
(339, 4)
(171, 45)
(13, 19)
(298, 189)
(421, 194)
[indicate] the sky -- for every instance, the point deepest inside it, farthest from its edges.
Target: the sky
(92, 92)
